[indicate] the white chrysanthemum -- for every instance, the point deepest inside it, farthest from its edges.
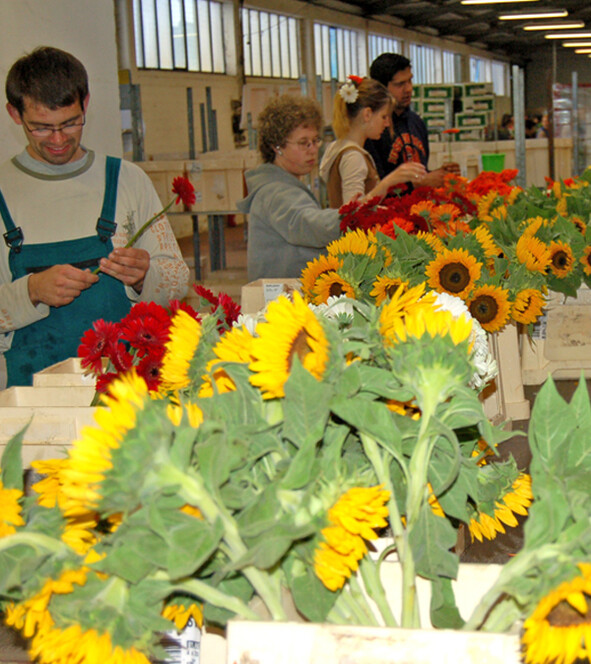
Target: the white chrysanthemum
(349, 92)
(250, 321)
(484, 363)
(337, 306)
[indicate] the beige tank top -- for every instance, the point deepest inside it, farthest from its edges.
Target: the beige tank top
(334, 186)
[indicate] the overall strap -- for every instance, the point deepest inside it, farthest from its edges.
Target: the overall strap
(13, 236)
(106, 226)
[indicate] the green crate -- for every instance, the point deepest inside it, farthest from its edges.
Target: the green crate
(470, 134)
(435, 121)
(435, 106)
(478, 104)
(477, 89)
(417, 91)
(438, 91)
(469, 120)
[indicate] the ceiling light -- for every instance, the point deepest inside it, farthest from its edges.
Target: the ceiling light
(569, 35)
(582, 50)
(555, 26)
(582, 44)
(531, 15)
(492, 2)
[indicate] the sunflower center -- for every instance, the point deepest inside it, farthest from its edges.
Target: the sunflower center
(391, 289)
(484, 308)
(335, 289)
(299, 347)
(564, 615)
(560, 260)
(454, 277)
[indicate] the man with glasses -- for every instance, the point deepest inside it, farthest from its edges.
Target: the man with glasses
(407, 139)
(66, 214)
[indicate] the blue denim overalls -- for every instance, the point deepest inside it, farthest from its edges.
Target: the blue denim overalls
(56, 337)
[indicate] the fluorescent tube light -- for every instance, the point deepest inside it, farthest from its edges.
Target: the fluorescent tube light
(531, 15)
(492, 2)
(570, 35)
(582, 50)
(582, 44)
(555, 26)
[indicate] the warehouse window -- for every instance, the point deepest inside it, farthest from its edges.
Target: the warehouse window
(378, 44)
(452, 67)
(426, 64)
(270, 44)
(500, 78)
(480, 70)
(179, 34)
(337, 53)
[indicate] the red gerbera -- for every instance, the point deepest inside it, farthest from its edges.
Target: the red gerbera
(146, 326)
(184, 189)
(149, 369)
(99, 342)
(104, 380)
(176, 305)
(230, 308)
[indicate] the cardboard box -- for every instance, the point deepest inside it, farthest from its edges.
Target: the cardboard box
(470, 134)
(471, 120)
(257, 294)
(477, 89)
(435, 106)
(435, 121)
(478, 104)
(438, 91)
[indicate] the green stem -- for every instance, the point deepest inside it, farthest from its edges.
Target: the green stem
(41, 543)
(216, 597)
(134, 238)
(370, 573)
(195, 493)
(358, 615)
(361, 600)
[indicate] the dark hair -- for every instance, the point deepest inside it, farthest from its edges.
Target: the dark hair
(280, 117)
(48, 76)
(370, 94)
(386, 66)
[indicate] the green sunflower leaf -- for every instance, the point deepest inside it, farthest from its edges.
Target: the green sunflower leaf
(312, 599)
(444, 611)
(430, 540)
(11, 465)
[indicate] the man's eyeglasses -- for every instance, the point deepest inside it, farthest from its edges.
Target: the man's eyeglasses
(306, 144)
(45, 132)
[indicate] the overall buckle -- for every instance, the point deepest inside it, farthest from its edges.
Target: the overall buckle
(14, 239)
(105, 228)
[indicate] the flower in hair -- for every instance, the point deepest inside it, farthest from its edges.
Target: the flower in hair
(349, 92)
(358, 80)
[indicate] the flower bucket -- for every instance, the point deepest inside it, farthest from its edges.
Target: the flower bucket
(493, 162)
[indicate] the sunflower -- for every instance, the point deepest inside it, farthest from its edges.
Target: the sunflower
(579, 223)
(528, 305)
(291, 328)
(53, 645)
(332, 284)
(513, 194)
(533, 253)
(559, 628)
(314, 269)
(562, 207)
(454, 271)
(384, 287)
(514, 502)
(586, 260)
(490, 306)
(32, 615)
(484, 205)
(89, 458)
(234, 346)
(10, 510)
(405, 408)
(354, 242)
(499, 214)
(433, 241)
(353, 519)
(185, 333)
(486, 241)
(436, 323)
(561, 259)
(393, 312)
(180, 615)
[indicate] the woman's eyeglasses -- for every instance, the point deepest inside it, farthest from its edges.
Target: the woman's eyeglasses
(306, 144)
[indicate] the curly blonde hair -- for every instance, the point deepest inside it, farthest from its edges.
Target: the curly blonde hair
(280, 117)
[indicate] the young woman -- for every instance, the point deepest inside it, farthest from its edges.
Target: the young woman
(286, 226)
(362, 110)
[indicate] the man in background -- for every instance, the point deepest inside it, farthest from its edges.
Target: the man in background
(66, 214)
(407, 139)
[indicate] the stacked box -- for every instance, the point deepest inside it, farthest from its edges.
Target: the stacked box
(417, 91)
(434, 106)
(438, 92)
(477, 89)
(464, 120)
(478, 104)
(470, 134)
(435, 121)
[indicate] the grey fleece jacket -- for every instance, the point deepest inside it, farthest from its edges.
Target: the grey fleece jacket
(286, 227)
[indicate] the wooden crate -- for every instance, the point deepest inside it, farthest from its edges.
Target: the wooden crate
(257, 294)
(66, 373)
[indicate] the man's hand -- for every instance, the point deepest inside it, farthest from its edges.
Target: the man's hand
(451, 167)
(59, 285)
(129, 265)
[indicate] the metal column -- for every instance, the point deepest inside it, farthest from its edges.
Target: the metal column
(575, 125)
(519, 124)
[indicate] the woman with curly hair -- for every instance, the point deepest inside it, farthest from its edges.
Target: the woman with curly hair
(361, 111)
(287, 228)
